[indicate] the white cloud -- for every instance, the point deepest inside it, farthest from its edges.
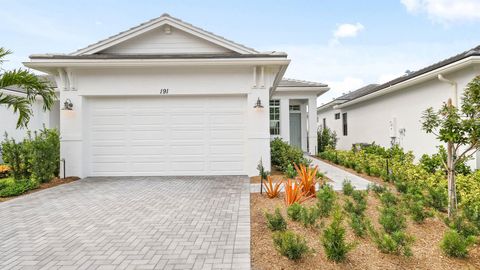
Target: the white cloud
(345, 30)
(445, 11)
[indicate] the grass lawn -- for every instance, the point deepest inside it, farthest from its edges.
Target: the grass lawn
(365, 254)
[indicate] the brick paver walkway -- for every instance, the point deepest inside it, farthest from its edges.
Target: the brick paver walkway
(130, 223)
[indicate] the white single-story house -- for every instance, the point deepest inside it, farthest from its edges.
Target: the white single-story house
(391, 112)
(39, 119)
(169, 98)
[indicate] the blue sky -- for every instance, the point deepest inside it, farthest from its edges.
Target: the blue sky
(345, 43)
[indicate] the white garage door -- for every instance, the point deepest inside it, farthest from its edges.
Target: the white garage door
(134, 136)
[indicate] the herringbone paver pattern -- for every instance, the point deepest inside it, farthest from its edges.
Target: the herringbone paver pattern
(130, 223)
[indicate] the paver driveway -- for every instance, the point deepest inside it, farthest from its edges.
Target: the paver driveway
(130, 223)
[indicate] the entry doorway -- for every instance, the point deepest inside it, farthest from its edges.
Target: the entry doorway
(295, 126)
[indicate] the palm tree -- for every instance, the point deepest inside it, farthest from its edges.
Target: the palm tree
(33, 85)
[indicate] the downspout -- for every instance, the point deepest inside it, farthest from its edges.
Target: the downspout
(453, 84)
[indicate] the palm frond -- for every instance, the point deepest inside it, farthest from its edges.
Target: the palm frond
(3, 52)
(20, 105)
(31, 83)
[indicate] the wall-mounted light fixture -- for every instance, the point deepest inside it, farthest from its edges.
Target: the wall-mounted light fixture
(67, 105)
(258, 105)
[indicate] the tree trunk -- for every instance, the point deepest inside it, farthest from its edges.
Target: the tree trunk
(452, 193)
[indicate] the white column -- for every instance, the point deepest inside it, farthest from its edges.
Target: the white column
(303, 117)
(312, 125)
(258, 132)
(285, 119)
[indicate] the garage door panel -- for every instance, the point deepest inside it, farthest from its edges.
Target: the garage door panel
(226, 166)
(185, 134)
(149, 168)
(188, 166)
(109, 150)
(149, 150)
(150, 120)
(105, 135)
(138, 135)
(166, 135)
(109, 120)
(196, 149)
(110, 167)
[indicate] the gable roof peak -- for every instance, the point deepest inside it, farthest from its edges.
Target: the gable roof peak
(156, 22)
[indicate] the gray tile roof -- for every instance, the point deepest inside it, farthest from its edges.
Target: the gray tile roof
(286, 82)
(165, 15)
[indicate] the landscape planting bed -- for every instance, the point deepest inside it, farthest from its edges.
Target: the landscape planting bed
(365, 255)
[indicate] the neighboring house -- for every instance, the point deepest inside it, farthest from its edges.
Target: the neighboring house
(168, 98)
(391, 112)
(39, 119)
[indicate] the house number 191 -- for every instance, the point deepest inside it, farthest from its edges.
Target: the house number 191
(164, 91)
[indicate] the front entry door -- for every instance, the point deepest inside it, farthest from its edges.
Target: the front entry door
(295, 130)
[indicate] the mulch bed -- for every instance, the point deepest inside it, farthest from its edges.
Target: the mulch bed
(54, 182)
(365, 255)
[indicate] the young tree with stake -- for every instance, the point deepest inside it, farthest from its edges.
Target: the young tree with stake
(459, 128)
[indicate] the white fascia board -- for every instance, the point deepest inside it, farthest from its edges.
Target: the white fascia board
(317, 90)
(50, 65)
(94, 48)
(416, 80)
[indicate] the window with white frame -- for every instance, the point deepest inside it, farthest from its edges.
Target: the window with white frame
(274, 117)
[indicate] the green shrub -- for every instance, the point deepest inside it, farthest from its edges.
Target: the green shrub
(261, 170)
(326, 199)
(392, 219)
(396, 243)
(294, 211)
(327, 139)
(347, 187)
(37, 157)
(309, 216)
(378, 189)
(359, 224)
(282, 154)
(462, 225)
(276, 222)
(290, 172)
(437, 197)
(290, 245)
(16, 155)
(388, 199)
(333, 239)
(418, 211)
(11, 187)
(454, 244)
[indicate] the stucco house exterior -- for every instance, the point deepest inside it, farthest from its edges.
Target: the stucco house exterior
(391, 112)
(169, 98)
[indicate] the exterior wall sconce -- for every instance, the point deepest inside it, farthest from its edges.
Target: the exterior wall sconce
(67, 105)
(258, 105)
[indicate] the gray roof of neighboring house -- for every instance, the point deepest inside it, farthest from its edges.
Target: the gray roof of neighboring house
(350, 96)
(165, 15)
(371, 88)
(286, 82)
(155, 56)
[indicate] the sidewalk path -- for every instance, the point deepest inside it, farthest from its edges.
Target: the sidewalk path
(336, 174)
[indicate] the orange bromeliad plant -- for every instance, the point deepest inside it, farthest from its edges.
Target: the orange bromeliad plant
(308, 178)
(272, 189)
(293, 192)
